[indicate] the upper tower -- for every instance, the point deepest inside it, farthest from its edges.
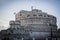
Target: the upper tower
(37, 19)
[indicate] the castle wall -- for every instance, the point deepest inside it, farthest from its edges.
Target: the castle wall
(37, 19)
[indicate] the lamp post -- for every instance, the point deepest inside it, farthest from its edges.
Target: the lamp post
(33, 38)
(22, 38)
(51, 33)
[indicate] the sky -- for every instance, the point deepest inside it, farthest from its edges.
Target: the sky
(9, 7)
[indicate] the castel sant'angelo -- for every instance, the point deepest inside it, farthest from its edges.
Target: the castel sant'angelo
(31, 25)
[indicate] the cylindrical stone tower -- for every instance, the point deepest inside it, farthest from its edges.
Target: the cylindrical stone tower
(37, 20)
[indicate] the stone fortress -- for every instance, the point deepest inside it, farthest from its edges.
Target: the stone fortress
(38, 20)
(36, 23)
(32, 25)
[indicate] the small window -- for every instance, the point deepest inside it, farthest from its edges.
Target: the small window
(48, 15)
(34, 15)
(17, 28)
(53, 17)
(20, 14)
(44, 15)
(25, 30)
(28, 15)
(36, 10)
(16, 18)
(11, 31)
(40, 15)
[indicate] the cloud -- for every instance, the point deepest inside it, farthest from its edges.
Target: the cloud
(8, 7)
